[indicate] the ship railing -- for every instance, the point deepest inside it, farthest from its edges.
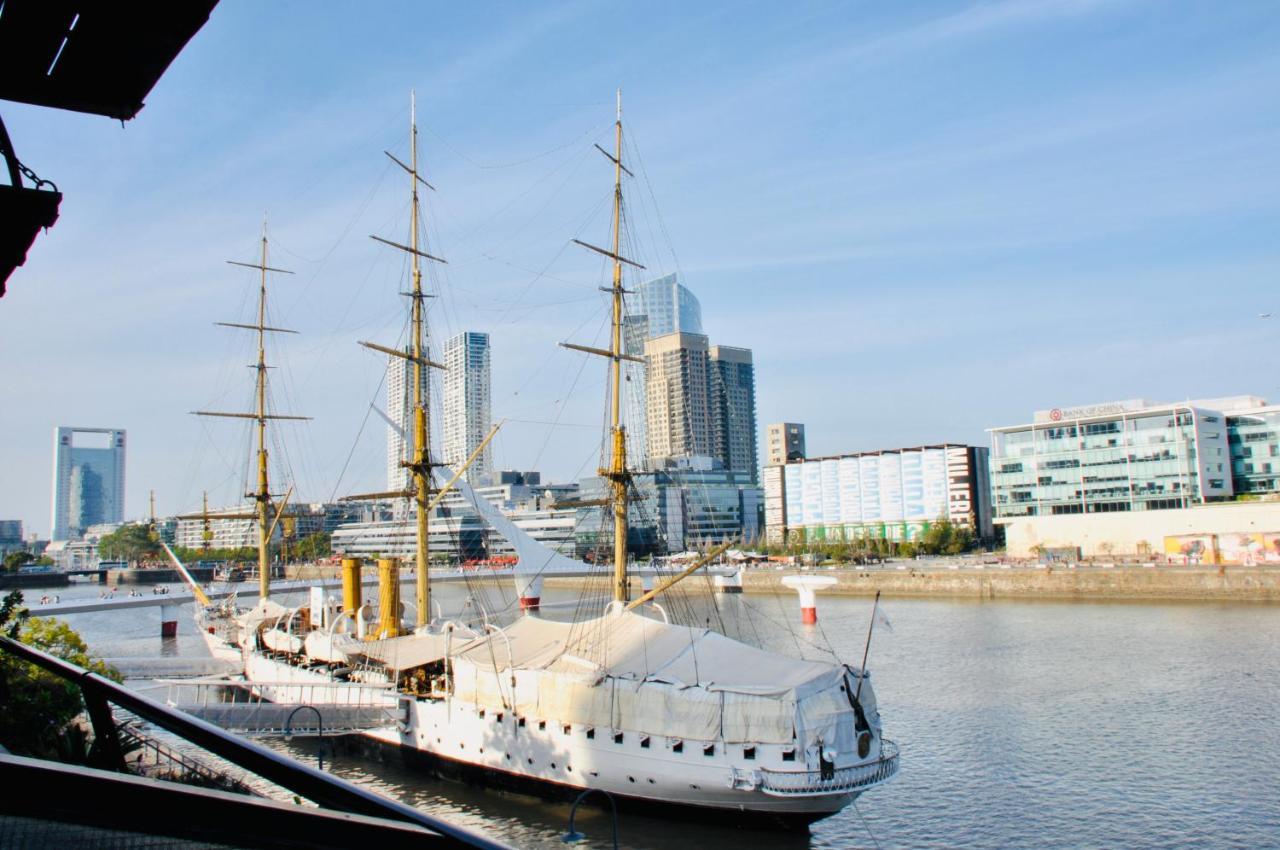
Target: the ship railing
(264, 708)
(809, 783)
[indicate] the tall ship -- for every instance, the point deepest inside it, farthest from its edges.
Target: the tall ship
(621, 699)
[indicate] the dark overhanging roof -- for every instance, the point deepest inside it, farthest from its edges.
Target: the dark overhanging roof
(90, 56)
(96, 57)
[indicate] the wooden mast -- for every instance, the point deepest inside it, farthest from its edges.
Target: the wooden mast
(616, 472)
(618, 476)
(262, 495)
(421, 462)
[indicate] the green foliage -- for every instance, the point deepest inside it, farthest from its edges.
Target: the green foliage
(130, 543)
(16, 560)
(313, 546)
(39, 707)
(945, 538)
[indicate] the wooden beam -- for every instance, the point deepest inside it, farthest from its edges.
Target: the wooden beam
(610, 254)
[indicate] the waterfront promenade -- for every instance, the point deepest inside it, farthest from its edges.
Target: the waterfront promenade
(960, 578)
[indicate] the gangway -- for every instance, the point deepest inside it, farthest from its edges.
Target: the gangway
(239, 706)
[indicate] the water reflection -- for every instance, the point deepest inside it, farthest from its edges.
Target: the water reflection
(1021, 724)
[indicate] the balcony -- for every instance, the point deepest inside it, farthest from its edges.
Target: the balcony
(809, 783)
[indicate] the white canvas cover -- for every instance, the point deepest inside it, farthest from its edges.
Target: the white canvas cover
(413, 650)
(632, 672)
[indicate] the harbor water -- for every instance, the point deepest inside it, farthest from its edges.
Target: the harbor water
(1021, 724)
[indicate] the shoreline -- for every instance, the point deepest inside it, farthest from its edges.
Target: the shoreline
(1129, 583)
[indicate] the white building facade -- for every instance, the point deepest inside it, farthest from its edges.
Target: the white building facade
(894, 494)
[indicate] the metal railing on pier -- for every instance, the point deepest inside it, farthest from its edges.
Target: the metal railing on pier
(327, 791)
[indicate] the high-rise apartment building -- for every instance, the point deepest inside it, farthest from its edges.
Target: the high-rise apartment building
(785, 443)
(467, 411)
(400, 411)
(733, 409)
(654, 308)
(88, 479)
(678, 414)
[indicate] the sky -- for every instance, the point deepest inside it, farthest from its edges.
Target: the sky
(926, 219)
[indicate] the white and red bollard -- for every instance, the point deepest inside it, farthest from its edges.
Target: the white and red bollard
(168, 621)
(807, 587)
(529, 591)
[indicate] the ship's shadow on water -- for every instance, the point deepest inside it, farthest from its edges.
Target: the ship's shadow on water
(532, 821)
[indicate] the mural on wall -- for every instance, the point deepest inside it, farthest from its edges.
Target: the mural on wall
(1246, 549)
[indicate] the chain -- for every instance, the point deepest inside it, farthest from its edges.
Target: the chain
(33, 177)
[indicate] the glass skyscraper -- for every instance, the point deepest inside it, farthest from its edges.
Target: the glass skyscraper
(88, 479)
(654, 308)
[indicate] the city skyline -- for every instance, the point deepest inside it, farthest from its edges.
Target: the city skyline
(923, 220)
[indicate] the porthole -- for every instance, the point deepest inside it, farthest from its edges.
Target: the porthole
(709, 750)
(644, 742)
(617, 737)
(749, 753)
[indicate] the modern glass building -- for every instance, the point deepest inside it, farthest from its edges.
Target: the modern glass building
(659, 307)
(88, 479)
(1122, 456)
(655, 308)
(681, 508)
(1254, 438)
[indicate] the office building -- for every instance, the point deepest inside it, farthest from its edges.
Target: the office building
(1141, 478)
(400, 437)
(654, 308)
(458, 533)
(785, 443)
(893, 494)
(11, 539)
(678, 414)
(689, 505)
(1121, 456)
(467, 414)
(733, 409)
(1253, 436)
(88, 479)
(300, 521)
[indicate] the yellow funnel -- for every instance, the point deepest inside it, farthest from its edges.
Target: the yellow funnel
(389, 597)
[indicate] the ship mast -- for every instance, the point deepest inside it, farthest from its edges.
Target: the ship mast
(420, 467)
(419, 463)
(616, 473)
(263, 513)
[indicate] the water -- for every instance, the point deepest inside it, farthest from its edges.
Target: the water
(1021, 724)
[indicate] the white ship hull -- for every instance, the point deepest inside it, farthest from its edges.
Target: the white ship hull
(547, 758)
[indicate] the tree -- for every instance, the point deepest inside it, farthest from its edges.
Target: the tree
(16, 560)
(313, 547)
(129, 543)
(39, 707)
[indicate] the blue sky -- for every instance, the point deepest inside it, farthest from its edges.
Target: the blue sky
(926, 219)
